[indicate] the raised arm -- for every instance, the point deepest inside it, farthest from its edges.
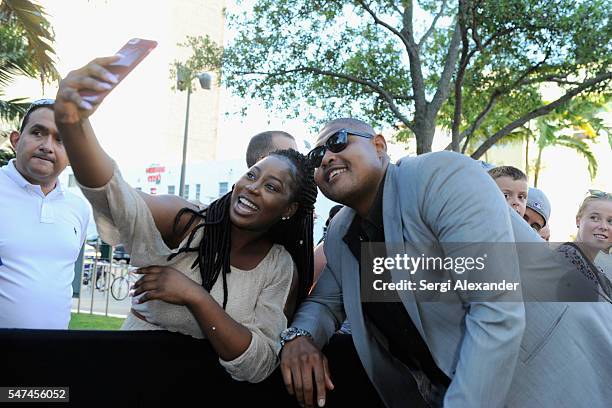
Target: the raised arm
(92, 167)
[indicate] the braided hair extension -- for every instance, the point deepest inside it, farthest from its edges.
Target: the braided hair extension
(295, 234)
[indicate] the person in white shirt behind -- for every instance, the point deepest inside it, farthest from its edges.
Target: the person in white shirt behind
(42, 227)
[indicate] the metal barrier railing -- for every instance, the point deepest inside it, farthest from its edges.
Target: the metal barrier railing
(102, 275)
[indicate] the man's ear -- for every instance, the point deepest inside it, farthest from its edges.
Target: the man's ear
(381, 145)
(291, 210)
(14, 138)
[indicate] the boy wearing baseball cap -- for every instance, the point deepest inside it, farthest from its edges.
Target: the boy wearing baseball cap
(537, 212)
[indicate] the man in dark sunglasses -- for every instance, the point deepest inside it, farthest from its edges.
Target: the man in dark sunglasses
(335, 143)
(354, 169)
(460, 352)
(42, 227)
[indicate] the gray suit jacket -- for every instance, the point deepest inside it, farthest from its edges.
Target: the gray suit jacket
(434, 200)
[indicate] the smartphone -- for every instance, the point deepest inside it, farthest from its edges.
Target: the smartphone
(131, 53)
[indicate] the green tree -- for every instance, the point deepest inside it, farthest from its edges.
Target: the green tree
(569, 56)
(6, 155)
(205, 56)
(378, 59)
(25, 49)
(574, 126)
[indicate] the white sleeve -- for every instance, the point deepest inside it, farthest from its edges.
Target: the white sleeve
(123, 217)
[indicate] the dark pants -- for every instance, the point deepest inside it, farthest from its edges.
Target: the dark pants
(352, 387)
(157, 369)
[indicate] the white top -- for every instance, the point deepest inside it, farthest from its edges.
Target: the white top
(40, 240)
(256, 298)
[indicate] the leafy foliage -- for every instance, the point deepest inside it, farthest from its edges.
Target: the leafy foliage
(29, 20)
(574, 126)
(25, 49)
(561, 42)
(205, 56)
(397, 62)
(6, 155)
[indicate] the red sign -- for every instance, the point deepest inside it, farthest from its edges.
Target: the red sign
(154, 172)
(155, 169)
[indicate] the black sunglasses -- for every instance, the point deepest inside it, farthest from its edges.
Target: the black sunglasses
(336, 143)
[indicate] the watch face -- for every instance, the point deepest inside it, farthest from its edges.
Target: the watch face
(288, 334)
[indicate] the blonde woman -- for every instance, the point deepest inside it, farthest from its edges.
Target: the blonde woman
(594, 223)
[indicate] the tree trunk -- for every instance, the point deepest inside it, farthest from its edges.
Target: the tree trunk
(527, 155)
(537, 166)
(424, 133)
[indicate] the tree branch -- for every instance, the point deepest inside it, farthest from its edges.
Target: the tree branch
(493, 99)
(542, 110)
(411, 48)
(479, 119)
(402, 97)
(476, 37)
(445, 78)
(482, 45)
(432, 26)
(414, 60)
(380, 22)
(563, 81)
(465, 45)
(395, 7)
(372, 85)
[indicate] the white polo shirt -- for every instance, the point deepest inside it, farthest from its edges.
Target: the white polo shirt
(40, 240)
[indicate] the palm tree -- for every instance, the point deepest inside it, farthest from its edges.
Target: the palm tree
(25, 49)
(574, 125)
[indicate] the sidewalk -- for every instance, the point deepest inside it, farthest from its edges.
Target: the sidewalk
(115, 308)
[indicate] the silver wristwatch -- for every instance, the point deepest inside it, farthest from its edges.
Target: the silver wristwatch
(291, 333)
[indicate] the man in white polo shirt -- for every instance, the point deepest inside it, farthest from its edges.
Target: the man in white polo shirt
(42, 227)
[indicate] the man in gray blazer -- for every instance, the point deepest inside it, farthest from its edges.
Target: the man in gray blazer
(462, 352)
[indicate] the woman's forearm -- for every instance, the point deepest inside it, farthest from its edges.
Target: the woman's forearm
(228, 337)
(91, 165)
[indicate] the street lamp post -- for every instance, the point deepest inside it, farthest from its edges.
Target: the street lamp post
(184, 160)
(184, 78)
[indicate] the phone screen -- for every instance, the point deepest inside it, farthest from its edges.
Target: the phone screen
(131, 53)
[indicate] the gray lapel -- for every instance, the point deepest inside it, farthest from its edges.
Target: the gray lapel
(394, 236)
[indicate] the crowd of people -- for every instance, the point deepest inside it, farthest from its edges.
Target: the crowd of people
(243, 277)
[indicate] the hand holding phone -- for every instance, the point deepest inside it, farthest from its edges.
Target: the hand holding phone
(82, 91)
(130, 55)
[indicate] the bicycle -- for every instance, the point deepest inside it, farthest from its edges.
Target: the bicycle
(104, 273)
(100, 278)
(120, 288)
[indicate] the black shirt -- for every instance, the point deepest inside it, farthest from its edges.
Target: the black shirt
(390, 316)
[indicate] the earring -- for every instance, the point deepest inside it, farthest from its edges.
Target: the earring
(284, 218)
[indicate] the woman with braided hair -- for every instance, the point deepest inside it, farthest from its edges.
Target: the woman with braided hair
(223, 272)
